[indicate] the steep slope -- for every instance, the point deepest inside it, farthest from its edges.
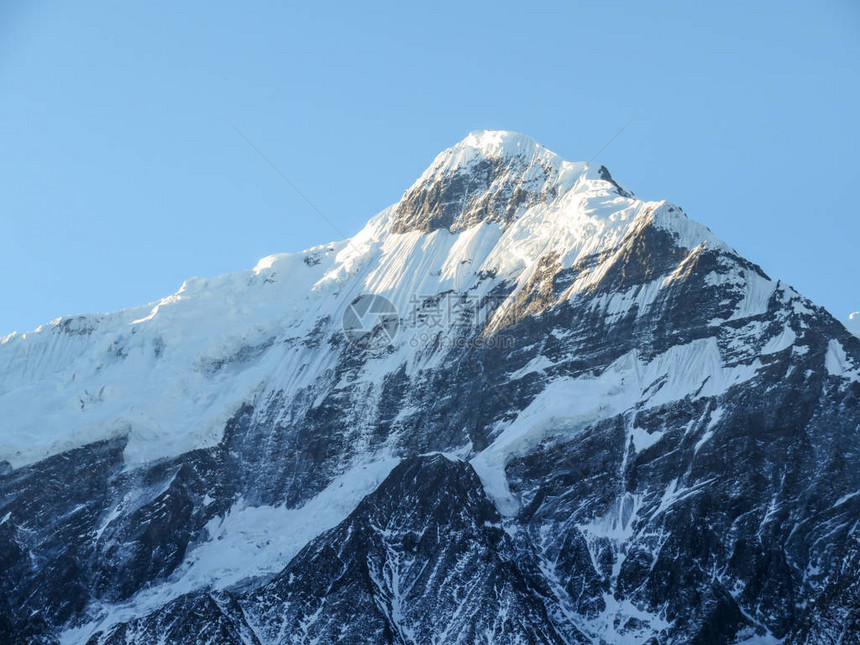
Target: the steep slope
(394, 557)
(664, 438)
(834, 615)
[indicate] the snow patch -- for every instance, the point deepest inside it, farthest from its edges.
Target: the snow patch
(642, 439)
(566, 406)
(837, 362)
(780, 342)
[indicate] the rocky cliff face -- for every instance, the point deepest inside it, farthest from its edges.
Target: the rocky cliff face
(594, 422)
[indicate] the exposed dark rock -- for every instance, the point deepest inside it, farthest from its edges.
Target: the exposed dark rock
(197, 618)
(388, 567)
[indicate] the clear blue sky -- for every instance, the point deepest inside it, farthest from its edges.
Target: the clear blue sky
(121, 176)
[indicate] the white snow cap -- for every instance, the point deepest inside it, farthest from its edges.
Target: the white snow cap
(492, 144)
(499, 143)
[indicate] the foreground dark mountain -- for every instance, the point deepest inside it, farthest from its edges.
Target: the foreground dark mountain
(596, 422)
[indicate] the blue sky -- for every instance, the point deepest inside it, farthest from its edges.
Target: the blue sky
(121, 174)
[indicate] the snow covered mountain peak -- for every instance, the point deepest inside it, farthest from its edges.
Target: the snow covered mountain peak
(619, 396)
(489, 176)
(502, 178)
(491, 213)
(494, 144)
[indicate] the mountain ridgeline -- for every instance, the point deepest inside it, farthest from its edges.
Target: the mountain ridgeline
(579, 418)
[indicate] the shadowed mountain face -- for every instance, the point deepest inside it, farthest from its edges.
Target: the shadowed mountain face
(393, 558)
(596, 423)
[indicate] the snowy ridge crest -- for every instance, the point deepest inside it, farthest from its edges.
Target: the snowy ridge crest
(191, 359)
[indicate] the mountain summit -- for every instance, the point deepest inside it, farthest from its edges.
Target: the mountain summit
(521, 405)
(487, 177)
